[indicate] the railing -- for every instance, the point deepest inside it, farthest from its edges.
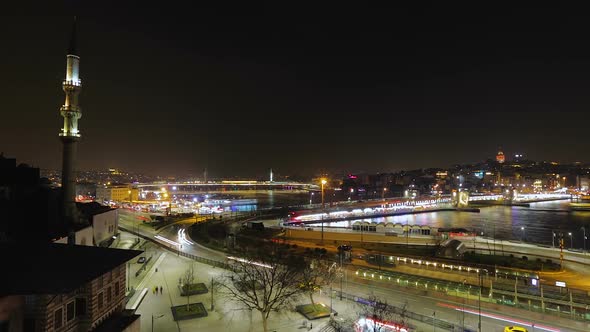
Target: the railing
(499, 293)
(433, 321)
(176, 251)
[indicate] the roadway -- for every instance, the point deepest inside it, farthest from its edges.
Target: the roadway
(453, 312)
(576, 264)
(171, 235)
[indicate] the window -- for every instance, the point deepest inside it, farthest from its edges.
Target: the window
(70, 313)
(58, 318)
(109, 297)
(80, 306)
(100, 300)
(117, 288)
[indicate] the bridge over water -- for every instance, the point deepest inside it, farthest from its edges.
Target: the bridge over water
(187, 188)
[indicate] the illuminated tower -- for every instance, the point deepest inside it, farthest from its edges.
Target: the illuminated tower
(70, 135)
(500, 157)
(271, 175)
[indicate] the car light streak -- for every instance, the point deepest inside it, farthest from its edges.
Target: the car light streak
(161, 238)
(182, 237)
(249, 262)
(502, 318)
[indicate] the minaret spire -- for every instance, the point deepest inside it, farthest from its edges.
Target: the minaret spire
(73, 47)
(70, 134)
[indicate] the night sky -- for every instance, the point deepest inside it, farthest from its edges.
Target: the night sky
(174, 89)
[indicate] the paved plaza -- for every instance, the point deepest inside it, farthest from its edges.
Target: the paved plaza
(227, 315)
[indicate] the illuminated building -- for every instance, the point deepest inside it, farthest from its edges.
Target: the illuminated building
(70, 134)
(117, 193)
(500, 157)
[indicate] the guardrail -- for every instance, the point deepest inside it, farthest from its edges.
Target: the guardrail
(564, 304)
(430, 320)
(194, 257)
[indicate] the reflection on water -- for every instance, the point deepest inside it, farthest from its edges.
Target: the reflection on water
(504, 222)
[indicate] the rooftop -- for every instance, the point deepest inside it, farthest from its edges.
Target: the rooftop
(53, 268)
(92, 208)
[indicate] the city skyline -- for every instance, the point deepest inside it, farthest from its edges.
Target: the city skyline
(355, 91)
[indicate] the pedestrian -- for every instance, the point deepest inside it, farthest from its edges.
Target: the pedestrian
(153, 290)
(161, 289)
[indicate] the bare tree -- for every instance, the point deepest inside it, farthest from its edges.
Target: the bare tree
(267, 280)
(343, 324)
(187, 280)
(377, 313)
(316, 274)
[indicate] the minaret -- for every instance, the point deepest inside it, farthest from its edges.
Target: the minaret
(271, 175)
(70, 135)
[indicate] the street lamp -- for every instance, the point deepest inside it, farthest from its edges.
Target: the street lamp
(351, 192)
(310, 198)
(571, 240)
(156, 317)
(383, 195)
(334, 265)
(523, 234)
(553, 240)
(323, 182)
(463, 311)
(584, 238)
(169, 208)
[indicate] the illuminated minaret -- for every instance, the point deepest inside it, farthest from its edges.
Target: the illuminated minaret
(70, 135)
(271, 175)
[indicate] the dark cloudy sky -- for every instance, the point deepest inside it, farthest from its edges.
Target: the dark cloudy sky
(175, 88)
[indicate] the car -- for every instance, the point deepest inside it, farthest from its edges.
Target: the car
(141, 260)
(515, 329)
(345, 247)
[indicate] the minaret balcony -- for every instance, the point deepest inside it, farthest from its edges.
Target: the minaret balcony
(72, 83)
(62, 134)
(70, 108)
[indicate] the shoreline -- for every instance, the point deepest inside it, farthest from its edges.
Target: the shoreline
(379, 215)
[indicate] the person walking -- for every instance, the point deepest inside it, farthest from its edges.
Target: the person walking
(161, 289)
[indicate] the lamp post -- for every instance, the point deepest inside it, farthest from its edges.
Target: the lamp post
(479, 298)
(160, 316)
(463, 311)
(334, 265)
(571, 240)
(169, 208)
(135, 222)
(433, 322)
(584, 238)
(553, 240)
(311, 198)
(351, 192)
(323, 182)
(523, 234)
(383, 194)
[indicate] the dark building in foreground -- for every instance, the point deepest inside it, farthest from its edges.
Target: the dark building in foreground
(29, 207)
(59, 287)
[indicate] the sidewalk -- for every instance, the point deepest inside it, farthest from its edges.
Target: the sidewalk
(228, 315)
